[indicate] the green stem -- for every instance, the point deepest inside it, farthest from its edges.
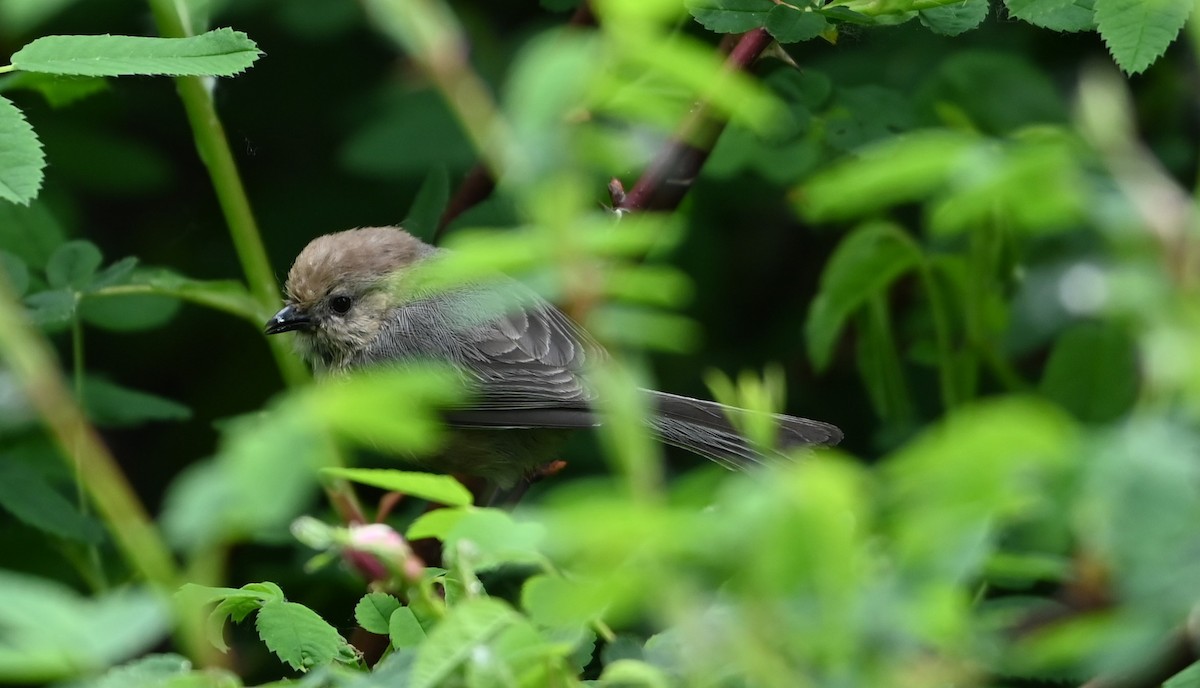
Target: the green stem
(938, 308)
(213, 147)
(7, 68)
(96, 575)
(888, 359)
(246, 311)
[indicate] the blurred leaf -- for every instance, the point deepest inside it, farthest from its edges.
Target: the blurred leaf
(861, 115)
(151, 671)
(21, 159)
(438, 523)
(59, 91)
(144, 306)
(51, 310)
(788, 24)
(106, 161)
(15, 272)
(1137, 32)
(115, 274)
(952, 20)
(443, 489)
(864, 265)
(298, 635)
(27, 495)
(51, 632)
(222, 52)
(428, 205)
(1020, 94)
(496, 539)
(557, 601)
(404, 630)
(471, 624)
(408, 134)
(111, 405)
(1057, 15)
(128, 312)
(730, 16)
(18, 17)
(954, 483)
(1093, 372)
(631, 673)
(373, 611)
(73, 265)
(30, 232)
(905, 168)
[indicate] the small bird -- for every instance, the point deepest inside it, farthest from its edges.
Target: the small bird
(348, 301)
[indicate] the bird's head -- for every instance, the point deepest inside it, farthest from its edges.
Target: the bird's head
(340, 290)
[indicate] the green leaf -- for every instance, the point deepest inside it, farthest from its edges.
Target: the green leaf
(111, 405)
(27, 495)
(901, 169)
(297, 635)
(556, 601)
(632, 673)
(15, 271)
(730, 16)
(1057, 15)
(222, 52)
(374, 610)
(31, 233)
(145, 287)
(404, 630)
(1137, 32)
(115, 274)
(791, 25)
(51, 310)
(151, 671)
(496, 539)
(952, 20)
(21, 158)
(863, 266)
(427, 206)
(51, 632)
(472, 623)
(59, 91)
(438, 523)
(73, 265)
(1093, 372)
(443, 489)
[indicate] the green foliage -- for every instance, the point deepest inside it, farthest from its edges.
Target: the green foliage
(992, 273)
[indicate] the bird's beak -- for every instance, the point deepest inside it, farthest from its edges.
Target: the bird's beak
(287, 319)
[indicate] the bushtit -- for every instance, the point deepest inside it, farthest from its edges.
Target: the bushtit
(349, 301)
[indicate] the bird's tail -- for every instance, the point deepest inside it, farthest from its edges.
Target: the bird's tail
(704, 427)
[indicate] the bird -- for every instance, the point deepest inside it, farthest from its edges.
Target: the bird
(352, 308)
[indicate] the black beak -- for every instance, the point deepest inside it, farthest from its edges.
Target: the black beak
(287, 319)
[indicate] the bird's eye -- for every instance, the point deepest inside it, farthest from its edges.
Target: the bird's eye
(340, 304)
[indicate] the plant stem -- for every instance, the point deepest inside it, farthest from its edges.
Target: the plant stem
(96, 575)
(213, 147)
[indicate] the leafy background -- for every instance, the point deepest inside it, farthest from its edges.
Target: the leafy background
(971, 250)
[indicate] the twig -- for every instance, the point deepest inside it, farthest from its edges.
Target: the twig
(480, 182)
(664, 183)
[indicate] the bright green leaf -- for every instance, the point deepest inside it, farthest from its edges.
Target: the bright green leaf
(152, 671)
(298, 635)
(790, 25)
(632, 673)
(404, 630)
(730, 16)
(443, 489)
(222, 52)
(438, 523)
(898, 170)
(1137, 32)
(468, 625)
(863, 266)
(373, 611)
(21, 158)
(1057, 15)
(73, 265)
